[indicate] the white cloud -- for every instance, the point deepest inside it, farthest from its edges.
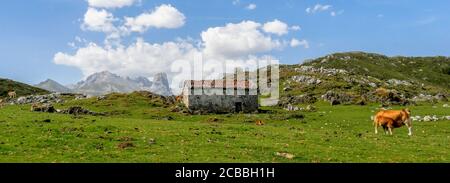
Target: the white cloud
(296, 28)
(318, 8)
(110, 3)
(234, 44)
(334, 13)
(296, 43)
(98, 20)
(380, 16)
(164, 16)
(146, 59)
(276, 27)
(251, 6)
(234, 40)
(138, 59)
(236, 2)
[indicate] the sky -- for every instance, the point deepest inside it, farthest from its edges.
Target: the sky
(67, 40)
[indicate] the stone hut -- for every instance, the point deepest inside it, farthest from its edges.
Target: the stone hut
(220, 96)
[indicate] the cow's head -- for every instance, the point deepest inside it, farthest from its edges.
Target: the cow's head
(407, 111)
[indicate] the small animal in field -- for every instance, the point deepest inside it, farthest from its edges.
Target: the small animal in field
(390, 119)
(1, 103)
(12, 94)
(179, 98)
(259, 123)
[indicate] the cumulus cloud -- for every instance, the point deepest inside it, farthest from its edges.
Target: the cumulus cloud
(98, 20)
(236, 2)
(164, 16)
(296, 43)
(276, 27)
(138, 59)
(178, 59)
(233, 40)
(318, 8)
(220, 49)
(251, 6)
(110, 3)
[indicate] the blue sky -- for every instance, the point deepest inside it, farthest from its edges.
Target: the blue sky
(32, 32)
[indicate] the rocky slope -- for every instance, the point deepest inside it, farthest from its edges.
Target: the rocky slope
(358, 77)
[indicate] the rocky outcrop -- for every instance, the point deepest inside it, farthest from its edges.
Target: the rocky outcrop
(295, 100)
(321, 70)
(430, 98)
(396, 82)
(309, 80)
(76, 110)
(336, 98)
(43, 99)
(429, 118)
(43, 108)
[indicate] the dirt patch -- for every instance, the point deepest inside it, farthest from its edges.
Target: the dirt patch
(126, 139)
(126, 145)
(214, 120)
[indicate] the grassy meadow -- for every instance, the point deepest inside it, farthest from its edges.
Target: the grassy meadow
(138, 129)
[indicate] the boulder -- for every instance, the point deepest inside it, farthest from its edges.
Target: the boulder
(336, 98)
(43, 108)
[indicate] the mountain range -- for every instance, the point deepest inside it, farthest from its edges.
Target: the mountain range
(106, 82)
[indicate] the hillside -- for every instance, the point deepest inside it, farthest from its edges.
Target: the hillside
(358, 77)
(20, 88)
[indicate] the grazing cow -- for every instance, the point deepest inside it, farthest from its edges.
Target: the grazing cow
(12, 94)
(179, 98)
(390, 119)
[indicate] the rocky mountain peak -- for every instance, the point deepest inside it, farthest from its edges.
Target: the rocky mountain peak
(53, 86)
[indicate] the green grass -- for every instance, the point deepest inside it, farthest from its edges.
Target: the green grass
(331, 134)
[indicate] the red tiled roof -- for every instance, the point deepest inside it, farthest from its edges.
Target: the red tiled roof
(220, 84)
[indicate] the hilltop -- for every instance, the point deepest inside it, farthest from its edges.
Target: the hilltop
(20, 88)
(358, 77)
(53, 86)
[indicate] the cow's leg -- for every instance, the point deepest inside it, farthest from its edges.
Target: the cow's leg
(390, 130)
(376, 127)
(408, 124)
(385, 129)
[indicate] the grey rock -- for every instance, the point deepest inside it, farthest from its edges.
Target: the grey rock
(396, 82)
(306, 79)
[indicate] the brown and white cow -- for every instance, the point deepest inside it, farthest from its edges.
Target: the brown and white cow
(12, 94)
(390, 119)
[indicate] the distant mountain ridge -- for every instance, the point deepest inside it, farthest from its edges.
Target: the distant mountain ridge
(106, 82)
(53, 86)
